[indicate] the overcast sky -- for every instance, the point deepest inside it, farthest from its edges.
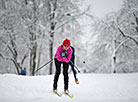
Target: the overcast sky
(102, 7)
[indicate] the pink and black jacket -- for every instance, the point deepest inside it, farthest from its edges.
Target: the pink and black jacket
(58, 56)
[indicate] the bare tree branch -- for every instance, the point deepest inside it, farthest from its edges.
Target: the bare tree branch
(25, 56)
(128, 36)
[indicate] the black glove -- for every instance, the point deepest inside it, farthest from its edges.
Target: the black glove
(64, 53)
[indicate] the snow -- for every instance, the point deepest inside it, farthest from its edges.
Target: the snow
(92, 88)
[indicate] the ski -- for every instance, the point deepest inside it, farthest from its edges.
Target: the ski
(58, 94)
(69, 95)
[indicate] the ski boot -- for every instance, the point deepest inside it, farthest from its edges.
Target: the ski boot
(76, 81)
(55, 90)
(66, 91)
(68, 94)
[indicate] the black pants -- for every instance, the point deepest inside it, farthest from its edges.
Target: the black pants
(57, 73)
(72, 67)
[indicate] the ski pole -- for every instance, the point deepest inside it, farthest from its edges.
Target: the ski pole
(44, 65)
(75, 67)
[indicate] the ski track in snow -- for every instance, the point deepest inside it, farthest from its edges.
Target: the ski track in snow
(92, 88)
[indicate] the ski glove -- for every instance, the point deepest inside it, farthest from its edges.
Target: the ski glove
(64, 53)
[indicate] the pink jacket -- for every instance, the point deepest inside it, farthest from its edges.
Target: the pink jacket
(60, 58)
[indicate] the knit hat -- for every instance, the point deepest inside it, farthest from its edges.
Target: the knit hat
(66, 43)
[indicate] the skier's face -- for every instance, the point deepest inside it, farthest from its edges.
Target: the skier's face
(66, 48)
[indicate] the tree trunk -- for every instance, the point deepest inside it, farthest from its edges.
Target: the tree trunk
(16, 66)
(51, 56)
(39, 57)
(33, 52)
(33, 59)
(14, 53)
(113, 55)
(114, 63)
(52, 9)
(51, 47)
(33, 28)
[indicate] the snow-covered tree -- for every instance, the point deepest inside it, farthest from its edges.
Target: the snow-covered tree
(32, 29)
(117, 39)
(10, 34)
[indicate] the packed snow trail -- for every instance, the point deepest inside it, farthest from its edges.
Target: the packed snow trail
(92, 88)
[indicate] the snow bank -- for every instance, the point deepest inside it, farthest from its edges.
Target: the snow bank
(92, 88)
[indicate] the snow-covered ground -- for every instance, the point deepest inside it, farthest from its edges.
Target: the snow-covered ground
(92, 88)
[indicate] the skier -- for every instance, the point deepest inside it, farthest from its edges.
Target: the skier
(72, 62)
(23, 71)
(62, 56)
